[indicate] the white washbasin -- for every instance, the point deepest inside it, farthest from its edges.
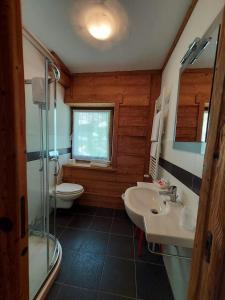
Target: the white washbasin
(141, 201)
(159, 219)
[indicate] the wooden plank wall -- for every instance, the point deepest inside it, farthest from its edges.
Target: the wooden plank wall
(134, 94)
(187, 123)
(195, 91)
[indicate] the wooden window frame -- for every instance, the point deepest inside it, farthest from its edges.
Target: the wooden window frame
(86, 108)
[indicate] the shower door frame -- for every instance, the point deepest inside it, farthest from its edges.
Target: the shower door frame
(40, 227)
(47, 200)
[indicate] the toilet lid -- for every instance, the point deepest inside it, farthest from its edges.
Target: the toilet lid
(68, 188)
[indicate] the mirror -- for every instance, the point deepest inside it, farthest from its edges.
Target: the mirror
(196, 80)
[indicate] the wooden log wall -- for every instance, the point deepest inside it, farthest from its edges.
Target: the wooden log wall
(134, 95)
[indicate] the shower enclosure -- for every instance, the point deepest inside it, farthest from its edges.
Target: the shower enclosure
(42, 168)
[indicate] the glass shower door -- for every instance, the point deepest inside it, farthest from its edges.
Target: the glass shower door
(36, 185)
(42, 174)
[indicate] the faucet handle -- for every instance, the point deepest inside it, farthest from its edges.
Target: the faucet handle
(173, 189)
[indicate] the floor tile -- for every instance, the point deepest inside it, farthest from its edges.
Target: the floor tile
(63, 220)
(105, 296)
(122, 227)
(121, 246)
(152, 282)
(104, 212)
(53, 292)
(80, 221)
(72, 293)
(95, 242)
(119, 277)
(146, 255)
(68, 257)
(101, 224)
(59, 230)
(72, 239)
(121, 214)
(84, 210)
(87, 244)
(86, 270)
(63, 217)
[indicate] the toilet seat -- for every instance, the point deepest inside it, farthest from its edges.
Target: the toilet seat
(68, 189)
(68, 196)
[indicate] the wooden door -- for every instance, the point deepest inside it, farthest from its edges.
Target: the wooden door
(13, 198)
(207, 279)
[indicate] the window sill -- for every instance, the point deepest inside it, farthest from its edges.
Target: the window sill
(87, 166)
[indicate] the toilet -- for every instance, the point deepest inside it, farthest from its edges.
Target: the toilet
(66, 193)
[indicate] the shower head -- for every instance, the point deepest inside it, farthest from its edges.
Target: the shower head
(55, 71)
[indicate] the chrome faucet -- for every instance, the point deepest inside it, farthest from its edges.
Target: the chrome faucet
(172, 193)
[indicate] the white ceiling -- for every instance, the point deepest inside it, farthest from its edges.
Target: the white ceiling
(152, 26)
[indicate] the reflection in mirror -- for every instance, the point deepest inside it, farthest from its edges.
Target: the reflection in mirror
(196, 81)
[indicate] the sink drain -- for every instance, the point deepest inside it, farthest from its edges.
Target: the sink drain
(154, 211)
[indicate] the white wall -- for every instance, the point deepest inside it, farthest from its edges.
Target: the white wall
(203, 15)
(34, 66)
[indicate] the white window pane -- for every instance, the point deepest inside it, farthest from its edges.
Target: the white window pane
(91, 134)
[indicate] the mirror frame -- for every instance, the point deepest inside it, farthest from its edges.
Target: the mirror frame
(195, 147)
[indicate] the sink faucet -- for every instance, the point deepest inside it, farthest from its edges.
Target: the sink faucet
(172, 193)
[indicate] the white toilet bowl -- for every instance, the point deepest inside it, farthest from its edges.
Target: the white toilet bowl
(66, 193)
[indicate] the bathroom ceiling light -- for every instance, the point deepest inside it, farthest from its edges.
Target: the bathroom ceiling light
(100, 26)
(100, 31)
(101, 23)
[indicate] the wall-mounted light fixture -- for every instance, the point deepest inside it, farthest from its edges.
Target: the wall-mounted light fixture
(194, 50)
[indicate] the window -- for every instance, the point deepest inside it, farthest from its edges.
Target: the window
(92, 134)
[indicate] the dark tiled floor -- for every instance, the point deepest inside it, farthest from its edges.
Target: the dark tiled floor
(120, 246)
(53, 292)
(101, 224)
(122, 227)
(100, 259)
(119, 277)
(81, 221)
(86, 270)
